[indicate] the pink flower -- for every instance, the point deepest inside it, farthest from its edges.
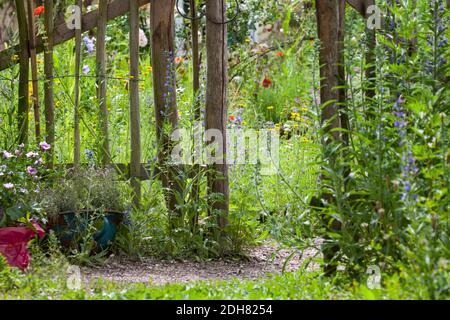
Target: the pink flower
(32, 171)
(7, 155)
(44, 146)
(32, 154)
(8, 186)
(38, 162)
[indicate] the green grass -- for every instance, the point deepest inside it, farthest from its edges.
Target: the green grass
(37, 284)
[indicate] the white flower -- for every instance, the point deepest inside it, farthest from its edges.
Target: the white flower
(143, 41)
(7, 155)
(32, 154)
(8, 185)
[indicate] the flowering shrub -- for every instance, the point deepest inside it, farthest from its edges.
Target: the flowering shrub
(20, 172)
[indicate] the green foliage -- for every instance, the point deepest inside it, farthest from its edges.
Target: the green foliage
(86, 188)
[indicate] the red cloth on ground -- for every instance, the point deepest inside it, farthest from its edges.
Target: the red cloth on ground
(14, 244)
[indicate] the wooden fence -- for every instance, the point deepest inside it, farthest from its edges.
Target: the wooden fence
(162, 13)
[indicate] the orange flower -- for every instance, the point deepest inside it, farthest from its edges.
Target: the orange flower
(232, 118)
(280, 54)
(178, 60)
(266, 82)
(39, 10)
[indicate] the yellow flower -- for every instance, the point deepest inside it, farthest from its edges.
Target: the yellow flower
(149, 69)
(15, 57)
(248, 40)
(30, 89)
(304, 109)
(270, 108)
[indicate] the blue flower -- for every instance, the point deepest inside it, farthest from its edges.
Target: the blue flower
(89, 154)
(89, 44)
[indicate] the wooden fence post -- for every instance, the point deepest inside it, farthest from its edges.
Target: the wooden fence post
(101, 79)
(195, 56)
(76, 120)
(48, 83)
(135, 162)
(164, 87)
(370, 53)
(22, 114)
(34, 74)
(345, 124)
(196, 104)
(328, 29)
(328, 24)
(216, 102)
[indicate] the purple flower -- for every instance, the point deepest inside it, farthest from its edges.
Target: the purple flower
(399, 124)
(86, 69)
(44, 146)
(89, 154)
(89, 44)
(32, 171)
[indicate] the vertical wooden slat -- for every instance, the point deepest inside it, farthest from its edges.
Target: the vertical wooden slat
(328, 29)
(328, 24)
(22, 115)
(216, 101)
(370, 54)
(101, 79)
(76, 120)
(135, 163)
(195, 56)
(48, 83)
(164, 88)
(341, 71)
(195, 88)
(34, 74)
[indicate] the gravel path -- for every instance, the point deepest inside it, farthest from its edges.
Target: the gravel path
(262, 260)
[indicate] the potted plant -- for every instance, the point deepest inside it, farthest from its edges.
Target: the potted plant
(86, 205)
(20, 175)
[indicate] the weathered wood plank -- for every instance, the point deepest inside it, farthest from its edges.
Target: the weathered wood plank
(216, 102)
(48, 83)
(22, 114)
(135, 119)
(34, 73)
(62, 33)
(358, 5)
(100, 72)
(76, 120)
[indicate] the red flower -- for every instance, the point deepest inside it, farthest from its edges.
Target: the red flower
(280, 54)
(232, 118)
(39, 10)
(266, 82)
